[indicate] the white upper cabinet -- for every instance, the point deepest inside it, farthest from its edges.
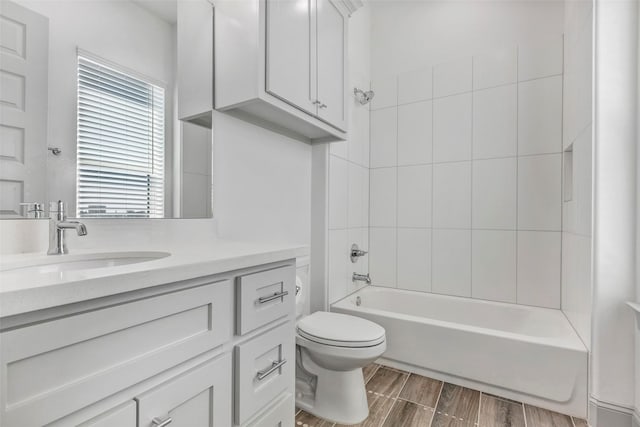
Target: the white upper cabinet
(283, 62)
(289, 52)
(195, 58)
(332, 55)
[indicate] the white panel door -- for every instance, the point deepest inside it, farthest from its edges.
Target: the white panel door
(24, 38)
(198, 398)
(290, 59)
(332, 36)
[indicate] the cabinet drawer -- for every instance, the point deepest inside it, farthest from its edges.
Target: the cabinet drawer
(264, 297)
(280, 413)
(57, 367)
(265, 367)
(200, 397)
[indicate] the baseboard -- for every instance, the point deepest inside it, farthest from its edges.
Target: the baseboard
(604, 414)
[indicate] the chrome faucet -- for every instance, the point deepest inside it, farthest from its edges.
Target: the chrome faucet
(361, 278)
(57, 225)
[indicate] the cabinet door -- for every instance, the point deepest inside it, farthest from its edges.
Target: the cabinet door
(198, 398)
(289, 54)
(195, 58)
(332, 36)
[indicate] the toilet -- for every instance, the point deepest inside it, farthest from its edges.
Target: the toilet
(331, 350)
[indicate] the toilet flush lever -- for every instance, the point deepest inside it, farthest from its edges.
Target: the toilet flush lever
(356, 253)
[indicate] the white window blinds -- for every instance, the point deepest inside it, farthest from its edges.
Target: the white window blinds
(120, 144)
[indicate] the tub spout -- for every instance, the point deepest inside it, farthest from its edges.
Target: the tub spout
(361, 278)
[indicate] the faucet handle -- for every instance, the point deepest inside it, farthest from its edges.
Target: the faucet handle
(356, 252)
(56, 208)
(35, 208)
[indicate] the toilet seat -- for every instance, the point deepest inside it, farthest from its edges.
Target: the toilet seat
(340, 330)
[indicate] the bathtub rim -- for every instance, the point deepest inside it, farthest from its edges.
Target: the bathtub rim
(570, 342)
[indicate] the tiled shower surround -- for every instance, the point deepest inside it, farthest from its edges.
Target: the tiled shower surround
(466, 177)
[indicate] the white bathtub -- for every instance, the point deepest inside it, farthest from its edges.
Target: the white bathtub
(524, 353)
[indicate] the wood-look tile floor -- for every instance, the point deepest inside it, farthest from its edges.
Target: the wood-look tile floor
(400, 399)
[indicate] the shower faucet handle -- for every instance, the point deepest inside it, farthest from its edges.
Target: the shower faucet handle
(356, 253)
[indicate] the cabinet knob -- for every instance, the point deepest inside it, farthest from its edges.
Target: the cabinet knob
(158, 422)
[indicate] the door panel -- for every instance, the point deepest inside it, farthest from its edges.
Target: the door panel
(24, 40)
(289, 52)
(332, 27)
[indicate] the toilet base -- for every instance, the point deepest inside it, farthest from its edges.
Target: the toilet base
(339, 396)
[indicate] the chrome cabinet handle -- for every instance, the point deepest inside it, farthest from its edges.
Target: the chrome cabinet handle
(277, 295)
(266, 372)
(322, 106)
(316, 102)
(157, 422)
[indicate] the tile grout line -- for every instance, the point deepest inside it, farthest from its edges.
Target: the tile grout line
(397, 184)
(433, 104)
(465, 92)
(540, 154)
(437, 403)
(395, 399)
(517, 167)
(471, 190)
(374, 372)
(416, 403)
(562, 164)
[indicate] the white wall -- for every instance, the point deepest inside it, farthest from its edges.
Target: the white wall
(577, 143)
(408, 35)
(637, 394)
(261, 183)
(118, 31)
(196, 160)
(349, 174)
(615, 194)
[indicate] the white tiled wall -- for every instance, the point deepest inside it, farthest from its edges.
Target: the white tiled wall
(466, 177)
(349, 171)
(577, 137)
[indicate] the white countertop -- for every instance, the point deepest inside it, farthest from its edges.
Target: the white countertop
(25, 292)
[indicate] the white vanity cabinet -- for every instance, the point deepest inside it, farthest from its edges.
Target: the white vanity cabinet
(172, 351)
(284, 62)
(198, 398)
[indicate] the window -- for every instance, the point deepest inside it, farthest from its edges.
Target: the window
(120, 144)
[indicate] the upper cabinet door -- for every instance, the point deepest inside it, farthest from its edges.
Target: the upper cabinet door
(289, 55)
(195, 58)
(331, 42)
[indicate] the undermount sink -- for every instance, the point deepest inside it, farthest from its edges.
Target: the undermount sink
(73, 262)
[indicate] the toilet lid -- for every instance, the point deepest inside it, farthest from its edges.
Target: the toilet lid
(340, 330)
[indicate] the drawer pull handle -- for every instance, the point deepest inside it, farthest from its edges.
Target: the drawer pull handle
(274, 367)
(157, 422)
(277, 295)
